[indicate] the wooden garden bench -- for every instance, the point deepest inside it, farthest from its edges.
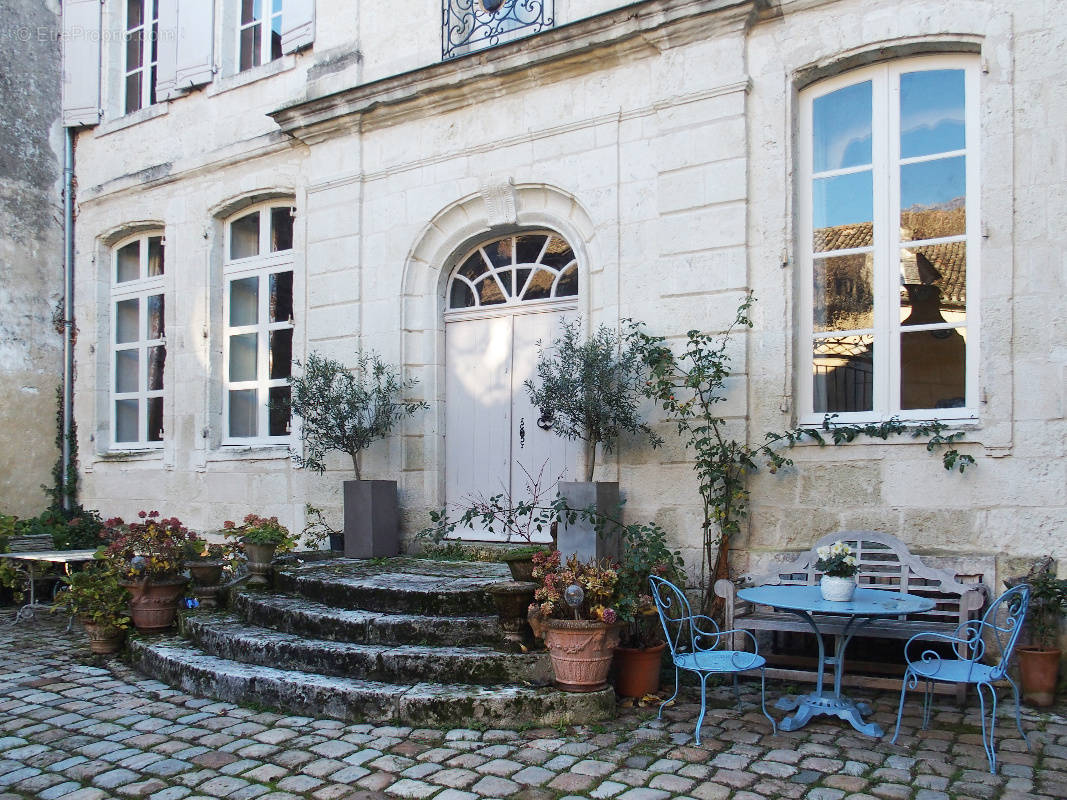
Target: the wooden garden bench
(885, 563)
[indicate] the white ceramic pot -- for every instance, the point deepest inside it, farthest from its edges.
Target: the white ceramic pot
(839, 590)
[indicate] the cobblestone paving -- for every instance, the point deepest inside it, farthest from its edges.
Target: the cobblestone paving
(79, 729)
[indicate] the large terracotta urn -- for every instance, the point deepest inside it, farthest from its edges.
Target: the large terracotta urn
(581, 652)
(154, 602)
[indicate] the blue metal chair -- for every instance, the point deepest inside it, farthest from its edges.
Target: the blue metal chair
(973, 641)
(694, 641)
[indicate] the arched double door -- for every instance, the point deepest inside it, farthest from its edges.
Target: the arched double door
(506, 295)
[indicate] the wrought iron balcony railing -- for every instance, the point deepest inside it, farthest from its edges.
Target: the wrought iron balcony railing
(470, 25)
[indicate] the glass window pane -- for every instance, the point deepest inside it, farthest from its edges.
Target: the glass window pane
(568, 282)
(126, 362)
(841, 128)
(281, 353)
(134, 14)
(244, 302)
(156, 328)
(276, 7)
(843, 374)
(128, 262)
(499, 253)
(528, 248)
(155, 419)
(133, 92)
(540, 285)
(933, 369)
(155, 255)
(276, 40)
(473, 267)
(521, 276)
(127, 321)
(244, 236)
(281, 297)
(157, 358)
(844, 293)
(839, 205)
(281, 229)
(243, 413)
(558, 254)
(278, 411)
(126, 428)
(249, 49)
(933, 284)
(249, 11)
(932, 116)
(489, 293)
(243, 356)
(462, 296)
(933, 199)
(134, 50)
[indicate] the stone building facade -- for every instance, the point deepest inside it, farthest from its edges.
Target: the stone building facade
(31, 251)
(381, 182)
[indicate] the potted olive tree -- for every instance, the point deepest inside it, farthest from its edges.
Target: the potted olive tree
(345, 409)
(1039, 661)
(590, 390)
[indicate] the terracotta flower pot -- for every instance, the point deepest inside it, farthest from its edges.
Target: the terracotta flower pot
(154, 603)
(104, 639)
(637, 670)
(1038, 673)
(581, 652)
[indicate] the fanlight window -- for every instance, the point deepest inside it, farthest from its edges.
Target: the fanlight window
(515, 269)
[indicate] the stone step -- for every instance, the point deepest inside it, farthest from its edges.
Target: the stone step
(397, 585)
(180, 664)
(309, 618)
(227, 636)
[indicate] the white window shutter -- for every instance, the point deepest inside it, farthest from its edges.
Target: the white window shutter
(298, 25)
(167, 50)
(81, 62)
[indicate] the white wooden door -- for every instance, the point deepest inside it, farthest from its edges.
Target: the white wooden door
(493, 442)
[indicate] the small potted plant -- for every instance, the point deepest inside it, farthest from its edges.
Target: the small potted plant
(639, 655)
(574, 611)
(260, 539)
(100, 602)
(1039, 661)
(205, 562)
(838, 567)
(345, 410)
(149, 557)
(590, 390)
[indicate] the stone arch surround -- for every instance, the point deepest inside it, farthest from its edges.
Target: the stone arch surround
(500, 208)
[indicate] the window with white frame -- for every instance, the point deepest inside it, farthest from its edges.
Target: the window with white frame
(142, 53)
(138, 342)
(259, 32)
(258, 313)
(889, 231)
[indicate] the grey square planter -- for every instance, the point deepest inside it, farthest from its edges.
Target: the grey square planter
(581, 537)
(372, 523)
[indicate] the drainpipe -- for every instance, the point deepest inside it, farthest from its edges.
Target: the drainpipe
(68, 310)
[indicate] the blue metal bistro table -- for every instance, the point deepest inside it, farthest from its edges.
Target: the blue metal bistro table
(808, 604)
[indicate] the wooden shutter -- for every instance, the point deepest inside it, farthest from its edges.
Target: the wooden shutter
(186, 47)
(298, 25)
(81, 62)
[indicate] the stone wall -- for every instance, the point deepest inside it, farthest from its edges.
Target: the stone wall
(666, 153)
(31, 251)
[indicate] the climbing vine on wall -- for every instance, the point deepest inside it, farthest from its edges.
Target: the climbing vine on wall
(689, 385)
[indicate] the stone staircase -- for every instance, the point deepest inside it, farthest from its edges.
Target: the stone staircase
(408, 641)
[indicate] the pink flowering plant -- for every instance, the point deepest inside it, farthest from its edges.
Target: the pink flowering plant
(154, 547)
(598, 580)
(260, 530)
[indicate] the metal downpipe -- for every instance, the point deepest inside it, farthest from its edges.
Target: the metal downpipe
(68, 312)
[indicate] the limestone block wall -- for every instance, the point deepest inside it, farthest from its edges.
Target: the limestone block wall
(31, 252)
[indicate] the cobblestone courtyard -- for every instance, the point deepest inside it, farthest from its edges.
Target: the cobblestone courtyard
(75, 728)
